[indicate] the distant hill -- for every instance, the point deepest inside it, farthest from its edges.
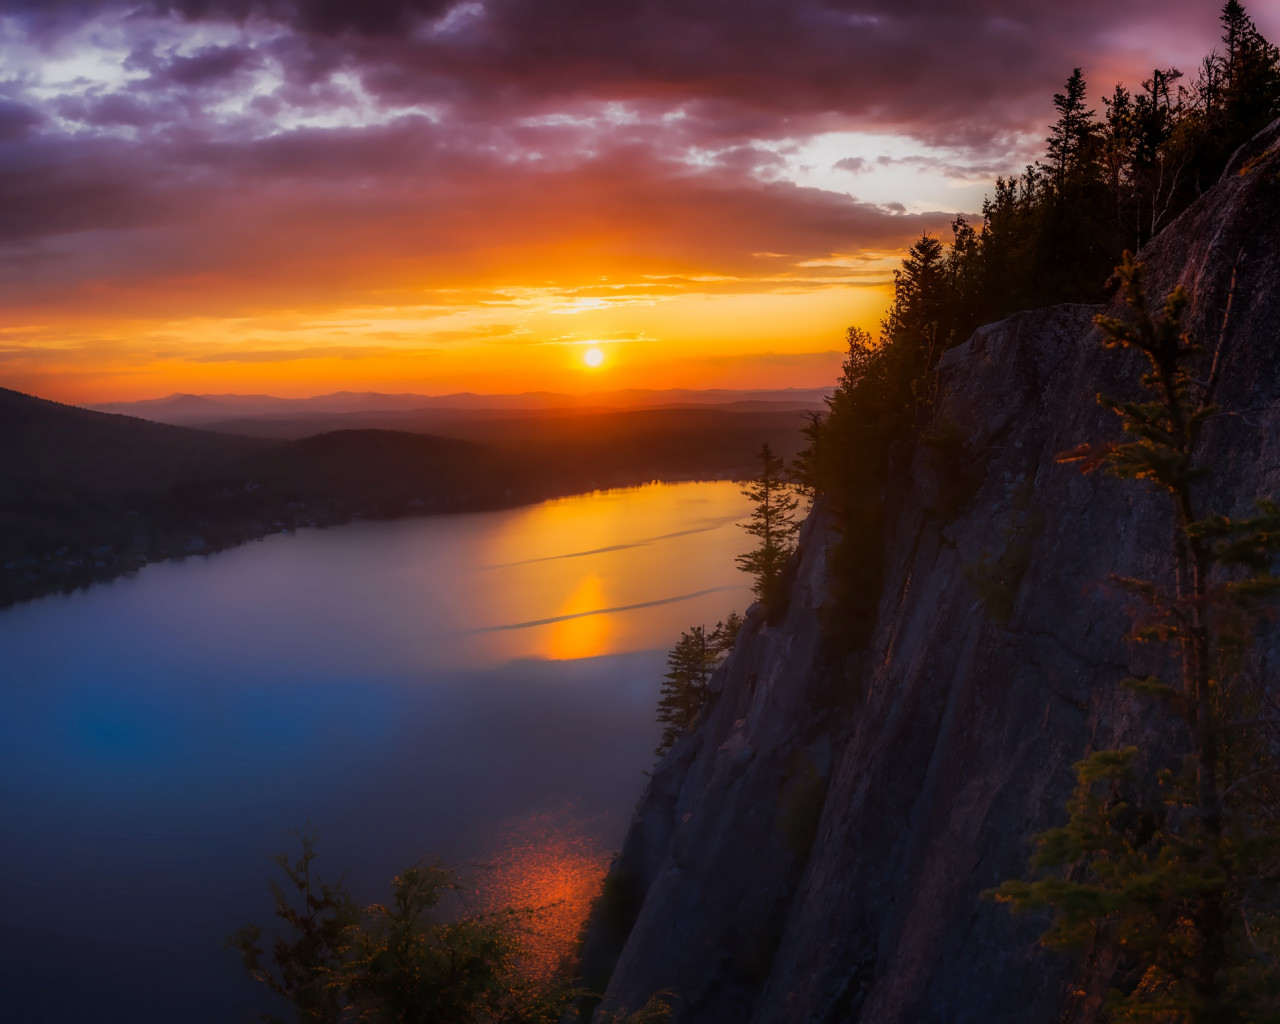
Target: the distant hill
(504, 426)
(86, 495)
(47, 444)
(200, 410)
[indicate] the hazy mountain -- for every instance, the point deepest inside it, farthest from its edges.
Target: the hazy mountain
(205, 409)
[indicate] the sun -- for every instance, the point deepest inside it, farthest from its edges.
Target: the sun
(593, 357)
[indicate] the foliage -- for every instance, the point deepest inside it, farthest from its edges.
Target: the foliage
(690, 664)
(1170, 855)
(773, 523)
(402, 962)
(883, 397)
(304, 962)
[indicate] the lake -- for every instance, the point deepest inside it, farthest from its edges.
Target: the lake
(477, 688)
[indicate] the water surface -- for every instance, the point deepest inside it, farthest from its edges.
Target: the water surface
(478, 688)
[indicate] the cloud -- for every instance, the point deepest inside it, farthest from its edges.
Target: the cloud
(284, 355)
(206, 66)
(852, 164)
(51, 186)
(16, 120)
(394, 212)
(959, 70)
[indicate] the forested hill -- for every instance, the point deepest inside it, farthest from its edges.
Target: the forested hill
(87, 495)
(49, 446)
(818, 847)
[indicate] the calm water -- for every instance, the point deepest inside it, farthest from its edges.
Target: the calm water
(478, 688)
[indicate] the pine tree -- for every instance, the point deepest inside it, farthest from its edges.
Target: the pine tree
(1251, 79)
(1118, 131)
(690, 663)
(919, 298)
(1071, 134)
(773, 523)
(1237, 94)
(846, 462)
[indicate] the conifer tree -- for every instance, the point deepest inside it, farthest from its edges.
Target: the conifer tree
(690, 663)
(846, 462)
(1158, 171)
(773, 524)
(1238, 94)
(1071, 134)
(1251, 73)
(916, 318)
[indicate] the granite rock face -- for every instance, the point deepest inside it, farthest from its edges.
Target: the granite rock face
(816, 849)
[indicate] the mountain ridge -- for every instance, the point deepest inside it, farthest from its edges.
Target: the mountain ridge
(186, 408)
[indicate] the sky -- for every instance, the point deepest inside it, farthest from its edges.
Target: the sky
(296, 197)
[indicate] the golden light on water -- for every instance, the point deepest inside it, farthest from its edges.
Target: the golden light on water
(585, 635)
(551, 865)
(596, 575)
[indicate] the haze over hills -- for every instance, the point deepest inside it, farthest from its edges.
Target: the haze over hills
(186, 409)
(518, 426)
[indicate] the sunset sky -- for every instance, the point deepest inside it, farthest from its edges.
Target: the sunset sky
(303, 196)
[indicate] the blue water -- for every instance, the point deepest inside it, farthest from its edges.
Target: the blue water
(405, 689)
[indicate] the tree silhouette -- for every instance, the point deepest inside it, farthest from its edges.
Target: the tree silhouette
(773, 524)
(405, 961)
(1071, 134)
(690, 664)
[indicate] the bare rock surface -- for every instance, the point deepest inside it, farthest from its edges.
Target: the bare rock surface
(815, 851)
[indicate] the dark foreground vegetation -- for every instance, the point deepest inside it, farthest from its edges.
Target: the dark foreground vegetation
(331, 960)
(85, 496)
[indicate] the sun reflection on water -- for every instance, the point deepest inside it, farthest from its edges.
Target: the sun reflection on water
(553, 864)
(586, 636)
(594, 575)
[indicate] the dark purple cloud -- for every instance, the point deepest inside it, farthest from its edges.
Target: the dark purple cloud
(209, 65)
(937, 64)
(16, 120)
(213, 137)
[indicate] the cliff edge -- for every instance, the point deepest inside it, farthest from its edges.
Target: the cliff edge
(816, 849)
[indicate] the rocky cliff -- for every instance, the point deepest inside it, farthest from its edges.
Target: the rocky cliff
(815, 851)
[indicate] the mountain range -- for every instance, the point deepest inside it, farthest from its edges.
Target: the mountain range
(189, 409)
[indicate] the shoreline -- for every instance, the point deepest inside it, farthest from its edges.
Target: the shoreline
(68, 570)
